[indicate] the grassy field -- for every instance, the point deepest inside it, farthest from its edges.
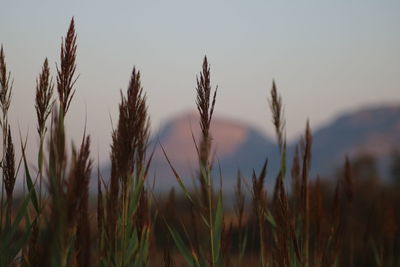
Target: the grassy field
(351, 221)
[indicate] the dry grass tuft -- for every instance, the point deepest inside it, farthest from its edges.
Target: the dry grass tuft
(82, 167)
(7, 161)
(44, 93)
(9, 171)
(66, 73)
(305, 198)
(278, 120)
(205, 106)
(316, 224)
(5, 84)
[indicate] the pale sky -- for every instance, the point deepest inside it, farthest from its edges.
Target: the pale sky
(327, 57)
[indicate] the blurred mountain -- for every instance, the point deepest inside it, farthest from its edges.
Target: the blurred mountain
(371, 131)
(235, 145)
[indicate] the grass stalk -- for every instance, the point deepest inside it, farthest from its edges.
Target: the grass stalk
(205, 106)
(6, 85)
(43, 106)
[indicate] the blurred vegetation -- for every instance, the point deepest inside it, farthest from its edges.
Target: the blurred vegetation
(350, 220)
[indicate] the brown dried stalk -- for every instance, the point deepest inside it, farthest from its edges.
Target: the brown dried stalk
(296, 180)
(5, 85)
(284, 228)
(317, 217)
(304, 191)
(9, 171)
(260, 208)
(131, 137)
(128, 155)
(44, 93)
(33, 247)
(259, 193)
(139, 115)
(5, 100)
(285, 234)
(278, 120)
(348, 180)
(100, 207)
(43, 106)
(56, 186)
(239, 203)
(57, 153)
(206, 110)
(82, 171)
(66, 73)
(335, 231)
(69, 197)
(112, 205)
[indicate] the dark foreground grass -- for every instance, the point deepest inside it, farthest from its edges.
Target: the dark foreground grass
(351, 221)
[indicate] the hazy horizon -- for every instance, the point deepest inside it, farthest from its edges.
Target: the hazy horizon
(326, 58)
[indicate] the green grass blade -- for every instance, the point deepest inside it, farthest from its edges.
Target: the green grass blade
(29, 182)
(132, 248)
(30, 186)
(144, 248)
(185, 252)
(178, 178)
(8, 245)
(218, 230)
(23, 209)
(268, 216)
(137, 191)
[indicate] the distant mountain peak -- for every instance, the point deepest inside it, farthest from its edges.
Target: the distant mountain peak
(227, 135)
(374, 131)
